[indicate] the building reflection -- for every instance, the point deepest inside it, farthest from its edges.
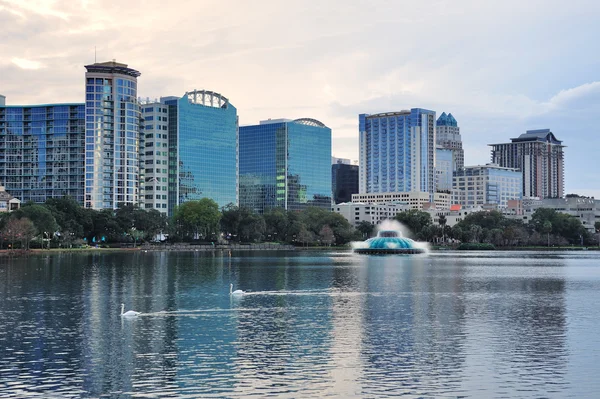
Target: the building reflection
(348, 326)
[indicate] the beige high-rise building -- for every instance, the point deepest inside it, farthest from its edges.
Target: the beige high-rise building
(538, 154)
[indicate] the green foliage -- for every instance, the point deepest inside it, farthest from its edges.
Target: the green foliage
(314, 219)
(414, 220)
(41, 217)
(365, 228)
(198, 219)
(242, 224)
(546, 221)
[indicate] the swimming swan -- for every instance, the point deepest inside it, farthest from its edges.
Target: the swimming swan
(129, 313)
(236, 292)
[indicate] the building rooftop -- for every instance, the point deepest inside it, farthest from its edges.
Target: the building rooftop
(541, 135)
(112, 67)
(446, 120)
(544, 135)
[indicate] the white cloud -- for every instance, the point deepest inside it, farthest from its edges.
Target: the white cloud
(500, 67)
(26, 64)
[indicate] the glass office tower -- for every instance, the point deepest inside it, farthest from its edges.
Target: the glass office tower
(397, 152)
(41, 151)
(285, 164)
(203, 149)
(112, 136)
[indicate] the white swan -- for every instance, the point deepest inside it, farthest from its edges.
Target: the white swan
(236, 292)
(129, 313)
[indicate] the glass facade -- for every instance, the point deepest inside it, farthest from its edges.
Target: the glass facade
(487, 184)
(285, 164)
(444, 166)
(42, 151)
(344, 181)
(202, 149)
(112, 136)
(397, 152)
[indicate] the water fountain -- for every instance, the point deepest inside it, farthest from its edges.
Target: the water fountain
(389, 240)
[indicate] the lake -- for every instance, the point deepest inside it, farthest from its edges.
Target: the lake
(311, 325)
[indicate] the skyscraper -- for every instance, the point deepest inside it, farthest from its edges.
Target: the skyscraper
(155, 155)
(397, 152)
(448, 137)
(285, 163)
(344, 180)
(42, 151)
(112, 140)
(201, 137)
(538, 154)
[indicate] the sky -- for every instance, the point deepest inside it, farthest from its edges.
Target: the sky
(500, 67)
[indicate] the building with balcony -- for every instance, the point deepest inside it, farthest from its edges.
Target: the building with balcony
(397, 152)
(286, 164)
(42, 151)
(538, 154)
(112, 136)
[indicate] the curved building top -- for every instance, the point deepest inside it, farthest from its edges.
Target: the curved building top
(309, 122)
(112, 67)
(207, 98)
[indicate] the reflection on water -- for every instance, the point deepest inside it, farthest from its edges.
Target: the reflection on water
(310, 325)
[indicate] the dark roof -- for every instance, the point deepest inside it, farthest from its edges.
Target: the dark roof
(112, 67)
(544, 135)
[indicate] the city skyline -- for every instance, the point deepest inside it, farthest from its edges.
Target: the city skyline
(499, 69)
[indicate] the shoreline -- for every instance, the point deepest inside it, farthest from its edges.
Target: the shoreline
(259, 247)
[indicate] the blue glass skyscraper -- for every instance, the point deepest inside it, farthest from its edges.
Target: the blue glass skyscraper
(285, 164)
(397, 152)
(42, 151)
(112, 136)
(202, 149)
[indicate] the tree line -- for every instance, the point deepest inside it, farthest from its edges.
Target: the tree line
(62, 222)
(546, 227)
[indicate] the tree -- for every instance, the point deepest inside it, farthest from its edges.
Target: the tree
(198, 219)
(305, 236)
(104, 226)
(546, 229)
(442, 221)
(314, 219)
(19, 230)
(414, 220)
(72, 219)
(242, 224)
(476, 231)
(277, 224)
(41, 217)
(326, 235)
(365, 228)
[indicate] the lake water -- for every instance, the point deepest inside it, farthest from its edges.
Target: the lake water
(312, 325)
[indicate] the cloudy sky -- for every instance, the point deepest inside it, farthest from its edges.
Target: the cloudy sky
(501, 67)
